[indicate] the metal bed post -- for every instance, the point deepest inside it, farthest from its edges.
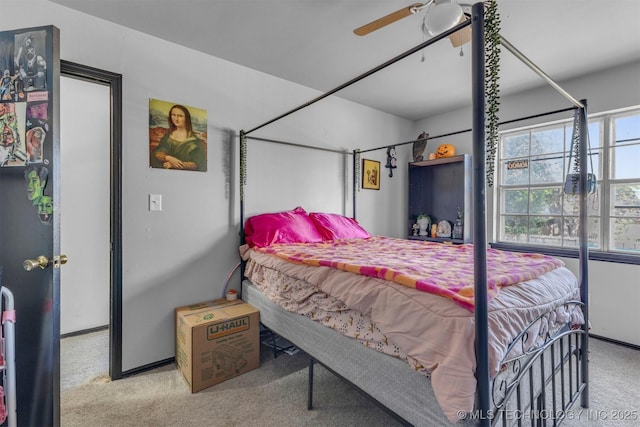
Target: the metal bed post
(355, 180)
(479, 213)
(584, 249)
(242, 169)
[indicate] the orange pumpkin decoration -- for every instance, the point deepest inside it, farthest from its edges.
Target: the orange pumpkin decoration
(445, 150)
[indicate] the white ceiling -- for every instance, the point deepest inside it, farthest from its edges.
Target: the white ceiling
(311, 42)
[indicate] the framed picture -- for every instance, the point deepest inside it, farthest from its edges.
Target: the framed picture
(177, 136)
(370, 174)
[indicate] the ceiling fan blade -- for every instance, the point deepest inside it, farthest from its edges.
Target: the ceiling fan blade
(386, 20)
(462, 36)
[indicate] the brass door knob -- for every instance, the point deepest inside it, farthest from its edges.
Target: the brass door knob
(43, 262)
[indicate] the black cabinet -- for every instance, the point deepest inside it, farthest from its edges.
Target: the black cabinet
(441, 189)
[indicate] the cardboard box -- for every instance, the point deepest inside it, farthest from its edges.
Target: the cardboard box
(216, 340)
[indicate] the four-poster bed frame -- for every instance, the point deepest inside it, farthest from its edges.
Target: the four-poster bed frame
(485, 408)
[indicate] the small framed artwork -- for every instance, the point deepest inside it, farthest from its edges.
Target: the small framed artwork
(370, 174)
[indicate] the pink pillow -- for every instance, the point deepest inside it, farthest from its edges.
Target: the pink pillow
(293, 226)
(334, 226)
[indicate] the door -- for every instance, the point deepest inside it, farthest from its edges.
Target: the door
(30, 219)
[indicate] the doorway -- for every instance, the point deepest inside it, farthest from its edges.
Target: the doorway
(101, 300)
(85, 140)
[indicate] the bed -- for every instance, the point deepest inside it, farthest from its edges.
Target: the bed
(504, 358)
(411, 301)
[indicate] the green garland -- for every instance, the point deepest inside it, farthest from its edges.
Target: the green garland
(356, 165)
(575, 142)
(491, 84)
(575, 147)
(243, 163)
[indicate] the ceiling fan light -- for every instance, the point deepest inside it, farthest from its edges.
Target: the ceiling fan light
(441, 16)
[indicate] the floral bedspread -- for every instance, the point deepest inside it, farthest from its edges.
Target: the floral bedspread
(441, 269)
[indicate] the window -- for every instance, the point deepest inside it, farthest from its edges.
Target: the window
(624, 182)
(533, 163)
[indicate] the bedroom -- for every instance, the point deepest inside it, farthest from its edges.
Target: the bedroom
(197, 271)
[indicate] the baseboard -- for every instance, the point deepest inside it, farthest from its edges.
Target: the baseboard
(612, 341)
(85, 331)
(148, 367)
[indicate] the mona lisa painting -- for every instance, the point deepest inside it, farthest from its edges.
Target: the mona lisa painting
(177, 136)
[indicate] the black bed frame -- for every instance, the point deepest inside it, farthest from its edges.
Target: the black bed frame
(549, 403)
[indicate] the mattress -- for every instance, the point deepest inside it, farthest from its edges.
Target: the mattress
(434, 334)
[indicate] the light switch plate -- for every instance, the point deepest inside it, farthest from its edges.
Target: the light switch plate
(155, 202)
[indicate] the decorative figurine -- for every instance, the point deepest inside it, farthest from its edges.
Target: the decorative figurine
(392, 161)
(444, 229)
(458, 227)
(445, 150)
(424, 221)
(419, 146)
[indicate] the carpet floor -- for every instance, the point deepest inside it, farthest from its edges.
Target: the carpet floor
(276, 394)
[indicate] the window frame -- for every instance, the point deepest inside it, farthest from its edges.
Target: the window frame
(605, 182)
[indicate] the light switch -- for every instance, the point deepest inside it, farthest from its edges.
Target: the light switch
(155, 202)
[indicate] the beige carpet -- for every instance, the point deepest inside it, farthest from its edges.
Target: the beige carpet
(82, 358)
(273, 395)
(276, 395)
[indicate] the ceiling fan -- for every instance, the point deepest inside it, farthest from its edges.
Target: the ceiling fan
(440, 15)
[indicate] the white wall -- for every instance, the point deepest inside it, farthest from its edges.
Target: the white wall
(610, 89)
(613, 299)
(614, 288)
(182, 254)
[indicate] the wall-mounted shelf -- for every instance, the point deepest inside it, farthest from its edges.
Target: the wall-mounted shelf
(438, 188)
